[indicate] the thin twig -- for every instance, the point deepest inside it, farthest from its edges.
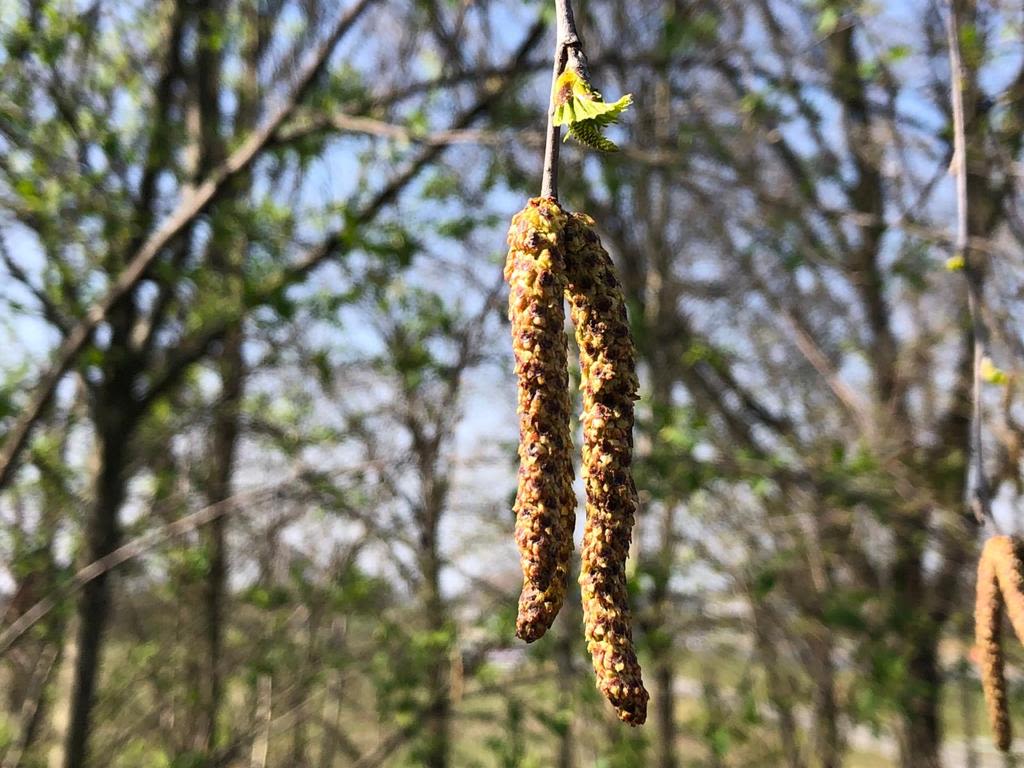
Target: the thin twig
(127, 552)
(980, 498)
(549, 179)
(261, 744)
(30, 706)
(359, 124)
(568, 52)
(813, 353)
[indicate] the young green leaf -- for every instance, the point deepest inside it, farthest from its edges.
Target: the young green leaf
(584, 111)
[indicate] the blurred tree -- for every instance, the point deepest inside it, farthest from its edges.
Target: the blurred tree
(801, 306)
(163, 129)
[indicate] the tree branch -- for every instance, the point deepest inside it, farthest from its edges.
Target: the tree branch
(193, 348)
(980, 495)
(188, 209)
(130, 551)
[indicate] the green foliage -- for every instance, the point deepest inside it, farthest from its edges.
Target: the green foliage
(757, 182)
(627, 750)
(509, 748)
(685, 30)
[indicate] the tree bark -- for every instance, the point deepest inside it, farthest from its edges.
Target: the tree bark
(780, 685)
(62, 703)
(225, 441)
(31, 714)
(921, 737)
(103, 536)
(826, 707)
(967, 692)
(567, 634)
(227, 258)
(661, 642)
(437, 730)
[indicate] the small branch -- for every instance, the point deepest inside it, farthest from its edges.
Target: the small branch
(568, 52)
(261, 744)
(813, 353)
(130, 551)
(243, 501)
(31, 705)
(980, 494)
(193, 348)
(549, 180)
(368, 126)
(50, 310)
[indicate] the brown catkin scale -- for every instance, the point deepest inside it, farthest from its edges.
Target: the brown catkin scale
(545, 504)
(988, 616)
(609, 386)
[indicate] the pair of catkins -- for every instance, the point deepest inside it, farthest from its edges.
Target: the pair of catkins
(554, 255)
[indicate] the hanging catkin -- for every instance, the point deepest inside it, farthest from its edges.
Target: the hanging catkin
(609, 387)
(988, 616)
(545, 506)
(1004, 554)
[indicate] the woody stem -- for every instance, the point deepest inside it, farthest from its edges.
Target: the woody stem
(568, 51)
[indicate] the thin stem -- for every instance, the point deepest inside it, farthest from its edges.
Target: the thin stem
(549, 181)
(980, 496)
(568, 52)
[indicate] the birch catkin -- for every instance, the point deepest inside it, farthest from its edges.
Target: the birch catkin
(545, 506)
(609, 387)
(988, 616)
(1004, 555)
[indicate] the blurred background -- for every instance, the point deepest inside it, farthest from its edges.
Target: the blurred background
(263, 516)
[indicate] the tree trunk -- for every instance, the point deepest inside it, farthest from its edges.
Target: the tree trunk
(921, 737)
(103, 535)
(567, 628)
(968, 691)
(826, 708)
(224, 448)
(437, 729)
(660, 637)
(664, 697)
(714, 713)
(62, 701)
(780, 684)
(227, 257)
(31, 714)
(262, 717)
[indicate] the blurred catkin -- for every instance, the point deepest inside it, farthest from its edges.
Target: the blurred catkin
(988, 617)
(609, 386)
(545, 504)
(1004, 554)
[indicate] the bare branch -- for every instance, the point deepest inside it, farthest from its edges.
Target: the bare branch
(127, 552)
(357, 124)
(981, 502)
(194, 348)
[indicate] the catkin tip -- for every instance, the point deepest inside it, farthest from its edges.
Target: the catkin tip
(988, 615)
